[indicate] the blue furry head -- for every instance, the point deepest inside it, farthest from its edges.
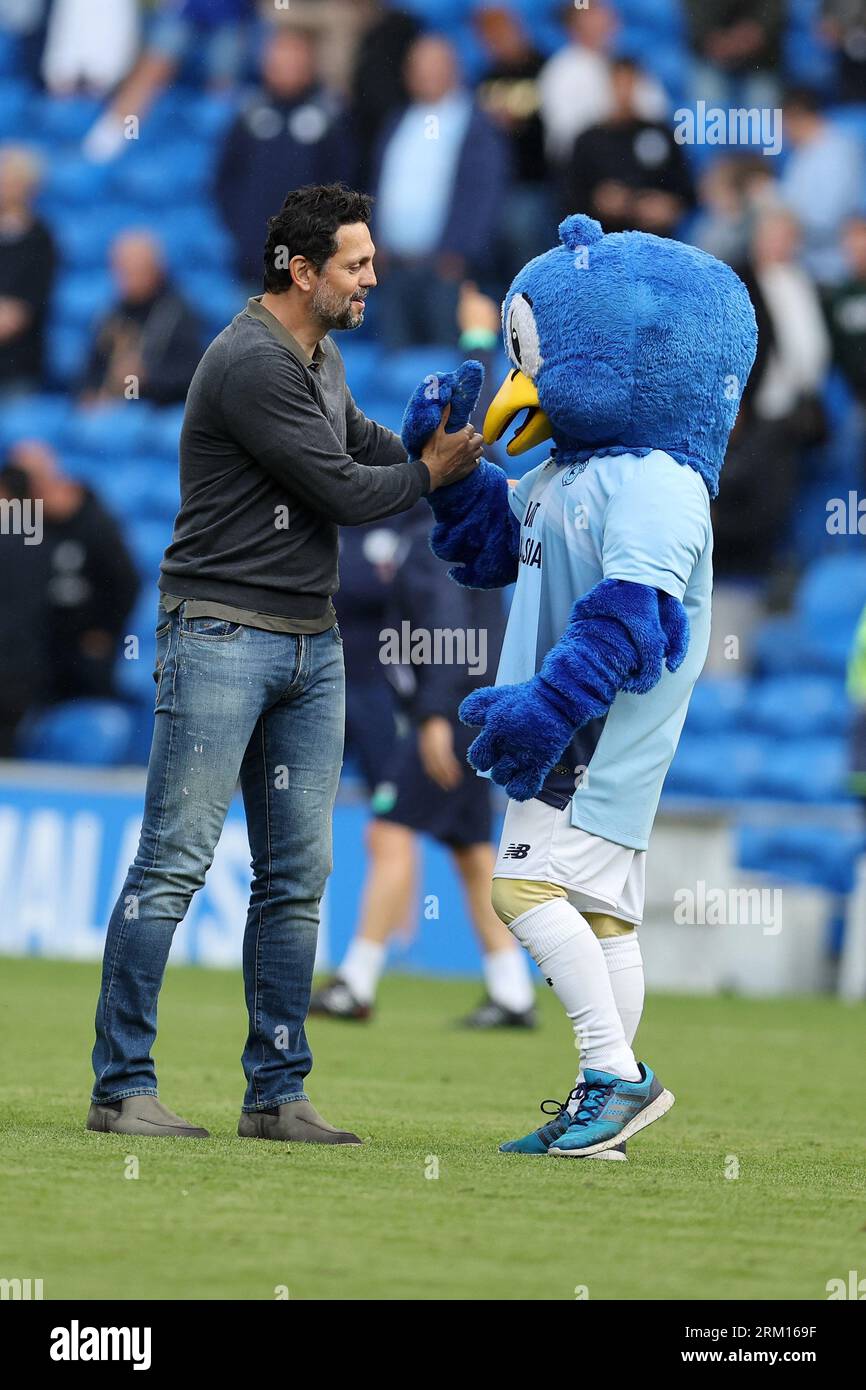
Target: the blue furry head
(634, 342)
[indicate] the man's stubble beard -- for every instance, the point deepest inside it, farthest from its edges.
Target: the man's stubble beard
(332, 311)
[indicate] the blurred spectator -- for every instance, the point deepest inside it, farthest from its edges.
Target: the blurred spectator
(738, 50)
(843, 27)
(781, 413)
(90, 45)
(26, 21)
(442, 173)
(846, 310)
(822, 182)
(575, 83)
(509, 93)
(629, 172)
(217, 32)
(149, 344)
(731, 193)
(27, 265)
(378, 81)
(290, 133)
(88, 580)
(24, 610)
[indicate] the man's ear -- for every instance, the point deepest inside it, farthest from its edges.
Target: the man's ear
(299, 268)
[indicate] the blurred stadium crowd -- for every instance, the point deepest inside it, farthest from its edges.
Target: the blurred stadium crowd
(144, 145)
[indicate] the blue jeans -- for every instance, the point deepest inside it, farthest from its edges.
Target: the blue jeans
(268, 708)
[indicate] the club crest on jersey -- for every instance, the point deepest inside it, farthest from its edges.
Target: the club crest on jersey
(571, 473)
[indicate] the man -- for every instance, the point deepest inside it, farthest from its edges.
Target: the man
(149, 344)
(90, 580)
(290, 132)
(274, 456)
(821, 181)
(443, 173)
(627, 171)
(27, 264)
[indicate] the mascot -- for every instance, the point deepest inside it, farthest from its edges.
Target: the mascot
(629, 352)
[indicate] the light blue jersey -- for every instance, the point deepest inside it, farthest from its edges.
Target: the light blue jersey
(646, 520)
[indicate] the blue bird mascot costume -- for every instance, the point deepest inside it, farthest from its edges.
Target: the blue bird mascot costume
(630, 352)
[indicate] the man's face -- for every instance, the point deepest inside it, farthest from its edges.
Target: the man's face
(345, 280)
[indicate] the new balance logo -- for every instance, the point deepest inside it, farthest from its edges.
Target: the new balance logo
(516, 852)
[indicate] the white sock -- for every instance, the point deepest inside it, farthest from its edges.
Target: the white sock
(625, 967)
(506, 976)
(624, 962)
(569, 955)
(362, 966)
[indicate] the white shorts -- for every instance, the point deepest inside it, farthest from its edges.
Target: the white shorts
(540, 843)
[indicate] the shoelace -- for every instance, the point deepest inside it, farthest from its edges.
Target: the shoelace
(560, 1107)
(595, 1093)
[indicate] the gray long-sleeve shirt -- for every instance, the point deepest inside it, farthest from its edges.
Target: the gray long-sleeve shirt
(274, 456)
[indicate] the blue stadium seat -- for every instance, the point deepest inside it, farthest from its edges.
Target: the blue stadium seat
(37, 416)
(93, 732)
(833, 592)
(716, 706)
(111, 432)
(63, 122)
(823, 856)
(15, 99)
(66, 354)
(81, 297)
(808, 769)
(724, 766)
(73, 180)
(89, 231)
(163, 432)
(147, 539)
(175, 170)
(797, 707)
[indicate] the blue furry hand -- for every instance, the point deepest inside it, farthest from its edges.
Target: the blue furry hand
(523, 738)
(621, 636)
(423, 412)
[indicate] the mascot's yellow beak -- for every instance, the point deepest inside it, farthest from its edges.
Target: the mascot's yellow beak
(516, 393)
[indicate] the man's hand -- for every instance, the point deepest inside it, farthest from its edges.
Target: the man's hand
(450, 457)
(436, 747)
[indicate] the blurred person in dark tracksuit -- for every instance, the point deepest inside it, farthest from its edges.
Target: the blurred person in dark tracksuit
(292, 131)
(89, 582)
(369, 557)
(426, 786)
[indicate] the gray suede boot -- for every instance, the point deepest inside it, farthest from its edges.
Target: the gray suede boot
(295, 1122)
(143, 1115)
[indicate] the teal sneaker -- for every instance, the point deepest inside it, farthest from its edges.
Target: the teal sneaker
(540, 1140)
(611, 1111)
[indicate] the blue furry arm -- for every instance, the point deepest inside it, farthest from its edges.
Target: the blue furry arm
(620, 636)
(476, 527)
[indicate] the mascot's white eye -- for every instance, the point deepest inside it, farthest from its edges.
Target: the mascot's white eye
(521, 336)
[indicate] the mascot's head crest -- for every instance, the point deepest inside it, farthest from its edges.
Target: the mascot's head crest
(625, 342)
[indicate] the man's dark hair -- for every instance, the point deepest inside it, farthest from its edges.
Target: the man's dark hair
(307, 225)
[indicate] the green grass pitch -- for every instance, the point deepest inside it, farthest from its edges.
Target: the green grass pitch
(775, 1088)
